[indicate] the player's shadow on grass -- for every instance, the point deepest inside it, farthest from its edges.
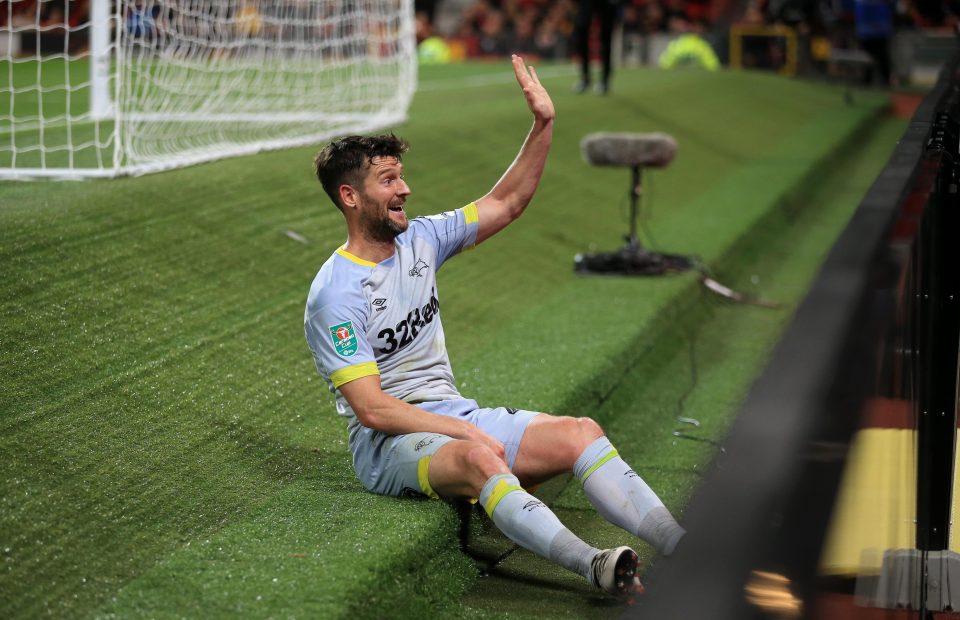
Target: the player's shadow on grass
(489, 550)
(280, 461)
(528, 585)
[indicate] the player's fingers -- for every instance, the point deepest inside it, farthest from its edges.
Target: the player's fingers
(498, 448)
(520, 70)
(533, 75)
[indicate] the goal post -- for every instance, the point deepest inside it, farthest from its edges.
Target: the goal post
(138, 86)
(101, 25)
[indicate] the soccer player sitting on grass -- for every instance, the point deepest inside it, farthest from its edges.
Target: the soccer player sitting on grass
(373, 324)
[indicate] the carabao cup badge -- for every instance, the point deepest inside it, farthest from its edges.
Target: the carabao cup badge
(344, 338)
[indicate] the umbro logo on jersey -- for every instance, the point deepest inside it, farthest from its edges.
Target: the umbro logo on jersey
(419, 268)
(380, 303)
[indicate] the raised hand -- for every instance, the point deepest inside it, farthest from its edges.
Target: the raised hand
(538, 100)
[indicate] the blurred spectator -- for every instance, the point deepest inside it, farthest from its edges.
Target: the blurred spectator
(677, 18)
(935, 13)
(494, 38)
(551, 38)
(424, 26)
(874, 27)
(606, 11)
(19, 14)
(427, 7)
(53, 19)
(654, 18)
(141, 19)
(524, 34)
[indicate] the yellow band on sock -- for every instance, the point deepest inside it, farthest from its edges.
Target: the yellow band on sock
(595, 466)
(422, 467)
(499, 492)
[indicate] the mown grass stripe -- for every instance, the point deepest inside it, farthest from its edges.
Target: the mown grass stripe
(92, 388)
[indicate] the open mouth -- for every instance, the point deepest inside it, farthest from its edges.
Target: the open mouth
(396, 208)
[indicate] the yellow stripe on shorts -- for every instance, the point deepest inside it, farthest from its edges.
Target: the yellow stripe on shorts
(423, 465)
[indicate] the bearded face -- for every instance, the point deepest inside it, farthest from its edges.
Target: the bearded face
(381, 201)
(382, 221)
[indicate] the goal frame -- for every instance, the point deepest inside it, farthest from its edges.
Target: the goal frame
(107, 84)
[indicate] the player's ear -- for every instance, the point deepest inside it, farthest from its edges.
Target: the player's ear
(348, 196)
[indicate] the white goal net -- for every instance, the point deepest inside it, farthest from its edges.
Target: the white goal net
(106, 87)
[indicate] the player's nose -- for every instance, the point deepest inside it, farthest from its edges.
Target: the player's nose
(403, 189)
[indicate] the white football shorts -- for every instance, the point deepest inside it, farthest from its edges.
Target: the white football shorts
(397, 464)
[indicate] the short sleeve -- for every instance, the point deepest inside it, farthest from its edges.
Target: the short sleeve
(452, 231)
(337, 337)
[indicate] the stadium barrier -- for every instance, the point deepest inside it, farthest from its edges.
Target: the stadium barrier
(881, 323)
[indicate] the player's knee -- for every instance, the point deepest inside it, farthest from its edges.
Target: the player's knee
(590, 430)
(577, 434)
(482, 462)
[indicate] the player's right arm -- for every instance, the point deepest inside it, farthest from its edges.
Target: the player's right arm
(336, 333)
(379, 411)
(512, 193)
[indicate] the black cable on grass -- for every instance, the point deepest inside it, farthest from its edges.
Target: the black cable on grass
(694, 379)
(692, 337)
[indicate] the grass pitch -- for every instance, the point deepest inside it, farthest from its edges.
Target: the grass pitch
(168, 448)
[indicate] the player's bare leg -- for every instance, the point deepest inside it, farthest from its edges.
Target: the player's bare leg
(556, 444)
(551, 445)
(468, 469)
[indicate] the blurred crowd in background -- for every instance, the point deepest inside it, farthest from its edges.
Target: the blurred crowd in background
(545, 28)
(878, 38)
(801, 36)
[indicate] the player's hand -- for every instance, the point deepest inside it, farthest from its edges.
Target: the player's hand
(475, 434)
(538, 100)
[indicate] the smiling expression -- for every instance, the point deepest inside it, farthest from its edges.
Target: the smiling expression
(381, 200)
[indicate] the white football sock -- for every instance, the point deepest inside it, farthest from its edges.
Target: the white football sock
(531, 524)
(623, 498)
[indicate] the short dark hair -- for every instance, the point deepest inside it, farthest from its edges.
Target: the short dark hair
(345, 161)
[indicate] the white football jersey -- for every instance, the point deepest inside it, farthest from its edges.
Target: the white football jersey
(364, 318)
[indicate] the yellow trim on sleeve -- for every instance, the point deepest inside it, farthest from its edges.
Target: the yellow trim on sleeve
(423, 466)
(499, 492)
(348, 374)
(355, 259)
(606, 457)
(470, 213)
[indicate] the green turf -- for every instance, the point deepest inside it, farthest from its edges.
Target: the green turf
(168, 449)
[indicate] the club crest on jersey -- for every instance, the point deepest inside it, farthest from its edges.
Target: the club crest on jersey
(418, 268)
(344, 338)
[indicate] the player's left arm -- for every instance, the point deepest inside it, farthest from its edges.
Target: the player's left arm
(513, 192)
